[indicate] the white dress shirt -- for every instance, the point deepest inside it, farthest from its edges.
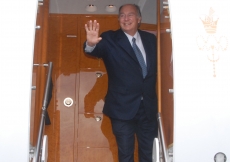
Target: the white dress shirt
(138, 42)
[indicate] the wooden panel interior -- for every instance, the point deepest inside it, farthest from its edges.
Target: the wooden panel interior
(75, 133)
(39, 72)
(167, 84)
(80, 132)
(167, 108)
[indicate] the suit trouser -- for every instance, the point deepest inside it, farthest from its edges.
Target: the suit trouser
(144, 129)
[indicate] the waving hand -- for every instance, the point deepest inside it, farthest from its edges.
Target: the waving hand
(92, 33)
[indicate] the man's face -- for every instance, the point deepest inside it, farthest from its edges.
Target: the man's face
(129, 19)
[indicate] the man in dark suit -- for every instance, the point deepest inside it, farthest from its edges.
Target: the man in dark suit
(131, 101)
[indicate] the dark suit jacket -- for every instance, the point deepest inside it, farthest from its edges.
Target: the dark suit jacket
(126, 85)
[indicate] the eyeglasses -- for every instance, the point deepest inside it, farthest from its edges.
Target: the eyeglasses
(131, 15)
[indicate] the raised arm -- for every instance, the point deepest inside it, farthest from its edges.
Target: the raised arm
(92, 33)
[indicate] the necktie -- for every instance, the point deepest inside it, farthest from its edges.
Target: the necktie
(140, 58)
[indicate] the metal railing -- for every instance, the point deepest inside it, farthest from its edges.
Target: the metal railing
(48, 89)
(162, 139)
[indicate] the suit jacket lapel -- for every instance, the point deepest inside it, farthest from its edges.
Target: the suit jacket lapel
(123, 41)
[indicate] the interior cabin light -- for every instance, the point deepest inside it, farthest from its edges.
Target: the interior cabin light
(110, 8)
(91, 8)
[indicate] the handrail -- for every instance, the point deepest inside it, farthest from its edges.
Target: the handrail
(162, 139)
(44, 111)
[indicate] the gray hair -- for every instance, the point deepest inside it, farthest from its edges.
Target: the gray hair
(134, 5)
